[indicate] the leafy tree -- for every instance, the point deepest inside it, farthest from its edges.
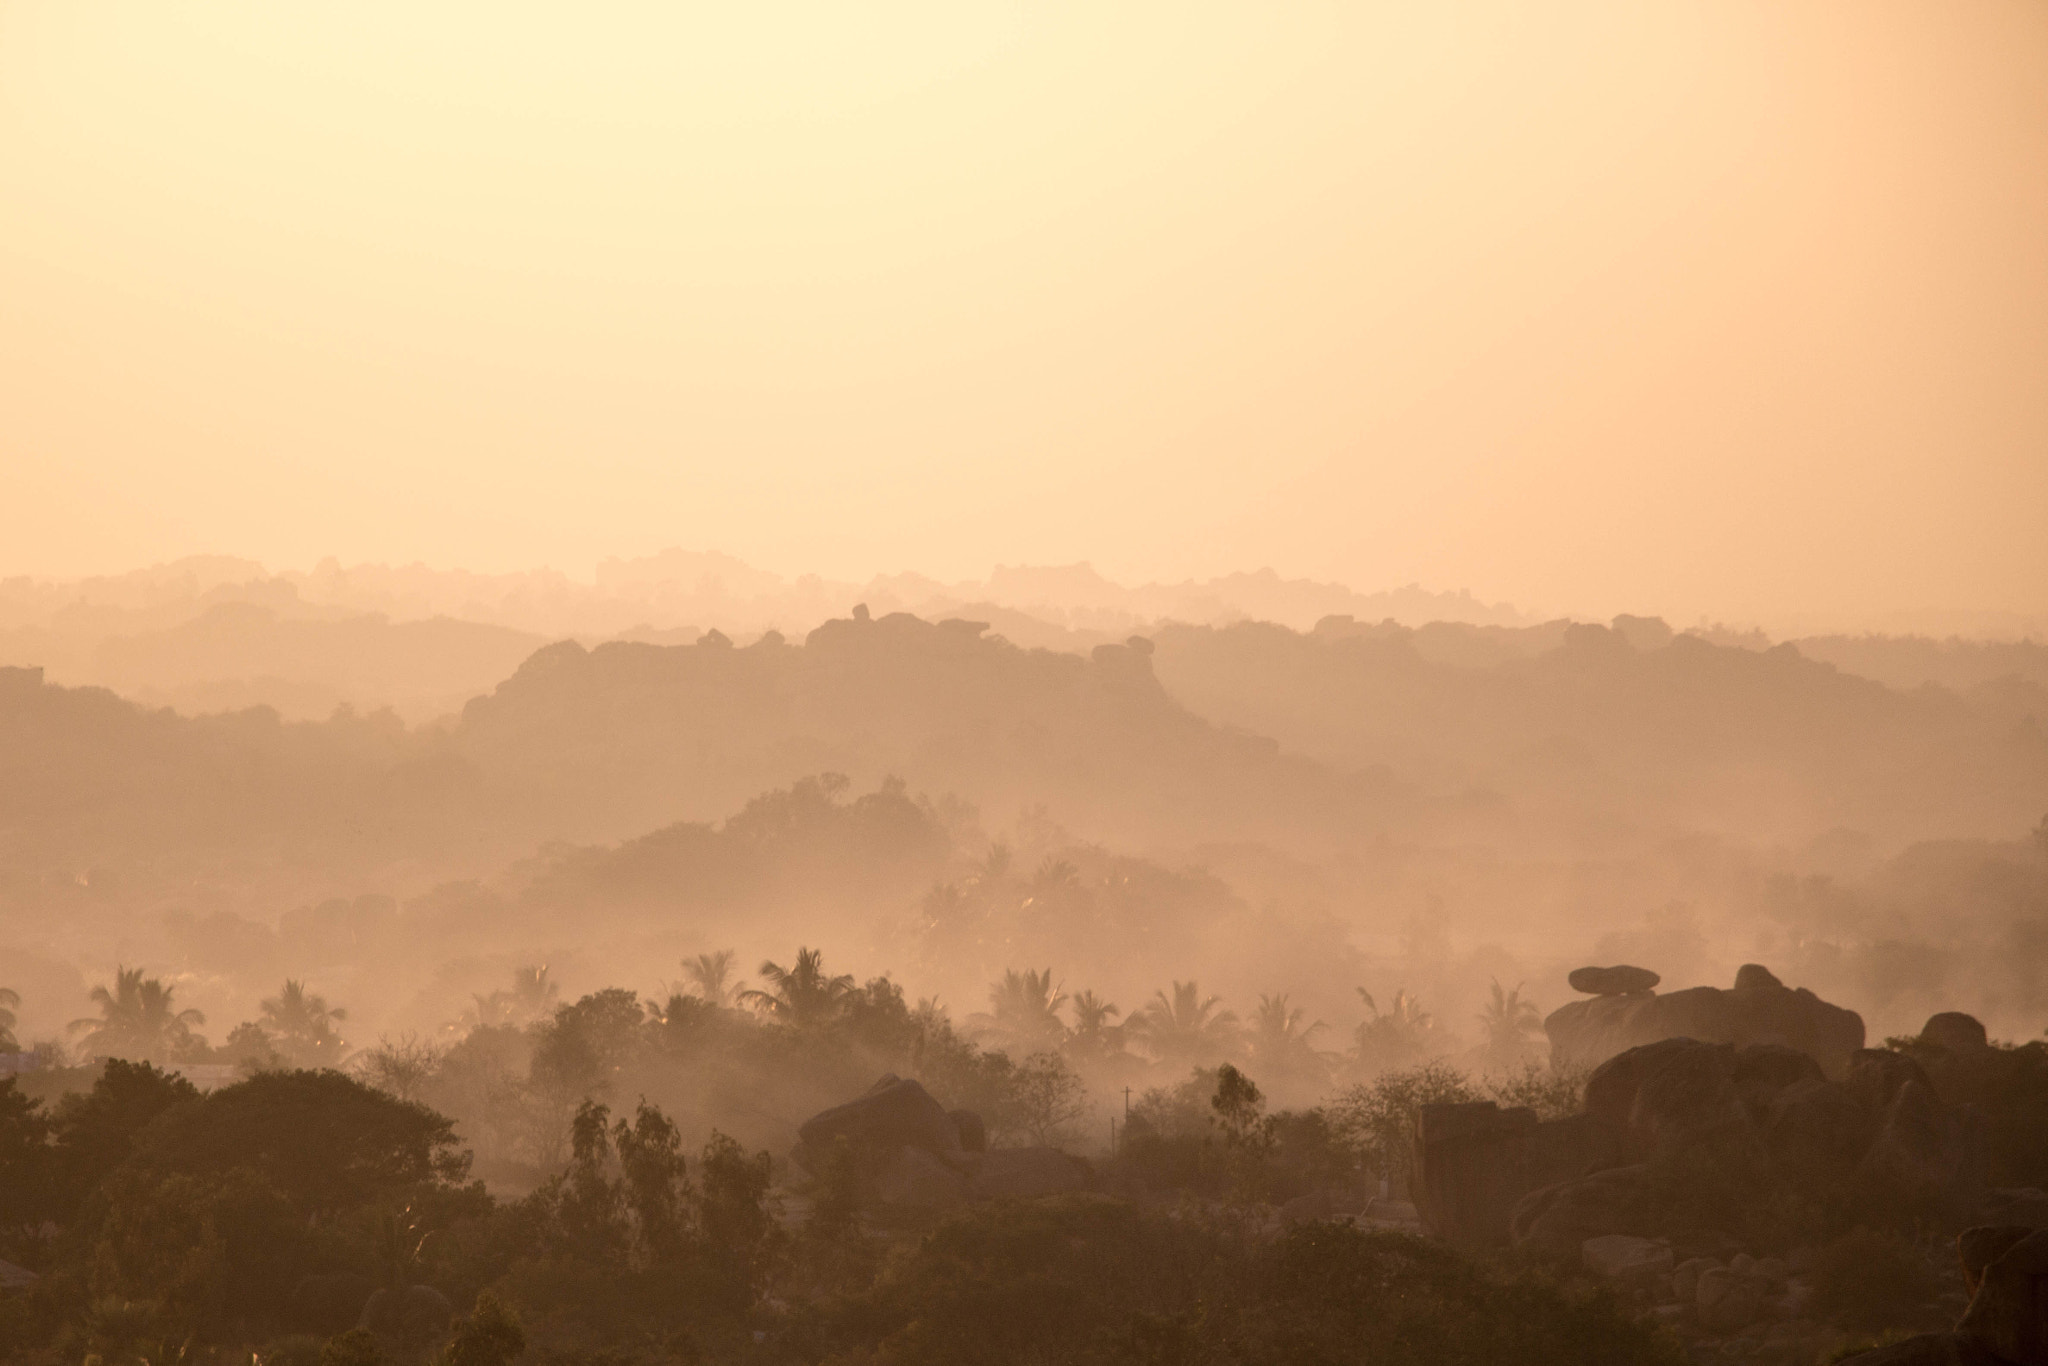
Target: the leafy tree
(356, 1347)
(1379, 1117)
(138, 1021)
(801, 996)
(401, 1067)
(95, 1132)
(1048, 1097)
(1185, 1027)
(489, 1336)
(324, 1140)
(734, 1220)
(27, 1162)
(303, 1027)
(10, 1001)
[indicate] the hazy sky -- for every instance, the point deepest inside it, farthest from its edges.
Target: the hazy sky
(1735, 307)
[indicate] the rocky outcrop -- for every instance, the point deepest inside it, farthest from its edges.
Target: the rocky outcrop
(893, 1113)
(2006, 1323)
(1615, 981)
(1757, 1122)
(1758, 1009)
(912, 1153)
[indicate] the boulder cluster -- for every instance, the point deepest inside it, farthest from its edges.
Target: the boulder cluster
(1626, 1010)
(1705, 1167)
(907, 1150)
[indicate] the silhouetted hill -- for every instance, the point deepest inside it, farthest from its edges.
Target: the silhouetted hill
(625, 736)
(1630, 725)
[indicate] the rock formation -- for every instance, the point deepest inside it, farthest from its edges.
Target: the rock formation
(1757, 1009)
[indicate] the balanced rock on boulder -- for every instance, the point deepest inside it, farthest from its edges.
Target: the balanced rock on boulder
(1615, 981)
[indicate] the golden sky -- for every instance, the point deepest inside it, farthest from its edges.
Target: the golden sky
(1737, 308)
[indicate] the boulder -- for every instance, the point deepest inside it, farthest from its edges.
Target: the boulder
(1926, 1158)
(1726, 1300)
(1631, 1260)
(1816, 1128)
(1559, 1219)
(413, 1314)
(1615, 981)
(1021, 1173)
(2008, 1313)
(894, 1113)
(1763, 1071)
(918, 1179)
(1685, 1277)
(2014, 1207)
(1955, 1031)
(973, 1133)
(1757, 1010)
(1928, 1349)
(1669, 1096)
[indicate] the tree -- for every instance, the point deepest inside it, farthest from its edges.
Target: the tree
(490, 1336)
(1378, 1119)
(711, 974)
(1397, 1037)
(139, 1021)
(802, 997)
(1186, 1026)
(1093, 1035)
(531, 996)
(1049, 1096)
(10, 1001)
(302, 1025)
(400, 1067)
(1024, 1009)
(1510, 1024)
(1279, 1043)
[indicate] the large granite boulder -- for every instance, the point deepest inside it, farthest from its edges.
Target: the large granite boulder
(2008, 1313)
(1670, 1096)
(1558, 1219)
(1757, 1009)
(893, 1113)
(1926, 1158)
(1615, 981)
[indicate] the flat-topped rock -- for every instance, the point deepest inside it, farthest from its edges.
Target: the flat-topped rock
(1622, 980)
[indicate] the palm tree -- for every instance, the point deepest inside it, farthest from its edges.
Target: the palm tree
(303, 1026)
(1025, 1008)
(1397, 1036)
(1509, 1022)
(711, 974)
(801, 996)
(1279, 1040)
(138, 1021)
(1186, 1026)
(10, 1001)
(1093, 1035)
